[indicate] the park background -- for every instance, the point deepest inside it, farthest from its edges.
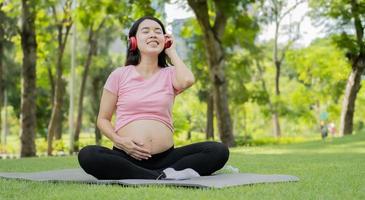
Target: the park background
(259, 79)
(271, 77)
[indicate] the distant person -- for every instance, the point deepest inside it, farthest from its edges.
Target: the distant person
(324, 130)
(142, 94)
(332, 129)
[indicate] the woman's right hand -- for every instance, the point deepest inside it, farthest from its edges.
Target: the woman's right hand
(133, 148)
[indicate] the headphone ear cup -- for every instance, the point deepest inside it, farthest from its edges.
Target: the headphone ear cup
(168, 44)
(132, 43)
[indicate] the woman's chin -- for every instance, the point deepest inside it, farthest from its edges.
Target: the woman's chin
(152, 51)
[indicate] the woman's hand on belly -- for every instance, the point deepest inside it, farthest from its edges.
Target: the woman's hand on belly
(134, 148)
(154, 135)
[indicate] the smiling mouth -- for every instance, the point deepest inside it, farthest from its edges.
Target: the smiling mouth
(153, 42)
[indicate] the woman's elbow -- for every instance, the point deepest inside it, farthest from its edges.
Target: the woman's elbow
(190, 81)
(99, 122)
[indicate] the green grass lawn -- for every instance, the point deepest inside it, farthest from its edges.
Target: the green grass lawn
(327, 170)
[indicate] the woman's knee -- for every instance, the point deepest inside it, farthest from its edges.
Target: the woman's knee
(223, 151)
(219, 150)
(87, 156)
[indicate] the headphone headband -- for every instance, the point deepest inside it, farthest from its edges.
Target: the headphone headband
(132, 44)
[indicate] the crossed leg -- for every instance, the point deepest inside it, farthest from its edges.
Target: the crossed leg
(103, 163)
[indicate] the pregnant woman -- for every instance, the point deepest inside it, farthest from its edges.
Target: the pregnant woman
(142, 94)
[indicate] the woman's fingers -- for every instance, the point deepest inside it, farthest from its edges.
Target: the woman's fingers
(142, 150)
(142, 153)
(169, 37)
(139, 155)
(139, 147)
(135, 149)
(138, 152)
(135, 157)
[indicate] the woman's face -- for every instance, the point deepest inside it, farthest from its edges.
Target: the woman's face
(150, 37)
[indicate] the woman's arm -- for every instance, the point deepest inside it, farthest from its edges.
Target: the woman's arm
(107, 107)
(184, 78)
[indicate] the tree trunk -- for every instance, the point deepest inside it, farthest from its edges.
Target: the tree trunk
(348, 105)
(4, 130)
(245, 132)
(215, 55)
(97, 134)
(58, 132)
(188, 135)
(92, 50)
(276, 124)
(275, 112)
(57, 105)
(354, 80)
(275, 117)
(2, 82)
(279, 13)
(96, 82)
(210, 117)
(51, 80)
(221, 106)
(277, 78)
(56, 116)
(95, 106)
(274, 107)
(28, 101)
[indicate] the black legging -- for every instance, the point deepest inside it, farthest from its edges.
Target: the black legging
(103, 163)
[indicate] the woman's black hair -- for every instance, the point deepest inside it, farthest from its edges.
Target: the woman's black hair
(134, 57)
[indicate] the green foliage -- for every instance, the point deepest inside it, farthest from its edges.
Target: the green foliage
(339, 16)
(239, 73)
(347, 43)
(189, 113)
(320, 68)
(312, 78)
(191, 32)
(241, 31)
(339, 10)
(249, 141)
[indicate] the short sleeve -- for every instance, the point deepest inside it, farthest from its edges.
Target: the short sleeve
(112, 83)
(172, 74)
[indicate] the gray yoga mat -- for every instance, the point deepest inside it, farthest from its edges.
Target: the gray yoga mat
(213, 181)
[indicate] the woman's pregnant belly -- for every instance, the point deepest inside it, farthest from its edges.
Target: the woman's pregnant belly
(154, 135)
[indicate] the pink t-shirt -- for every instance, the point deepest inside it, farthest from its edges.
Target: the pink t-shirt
(140, 98)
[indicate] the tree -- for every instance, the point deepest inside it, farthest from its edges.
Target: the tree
(8, 79)
(29, 47)
(320, 71)
(194, 39)
(215, 55)
(93, 20)
(63, 27)
(2, 41)
(277, 11)
(7, 31)
(349, 17)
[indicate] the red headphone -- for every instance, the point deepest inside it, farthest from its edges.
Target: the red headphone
(133, 44)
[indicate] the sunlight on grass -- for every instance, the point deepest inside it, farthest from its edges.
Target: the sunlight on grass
(333, 169)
